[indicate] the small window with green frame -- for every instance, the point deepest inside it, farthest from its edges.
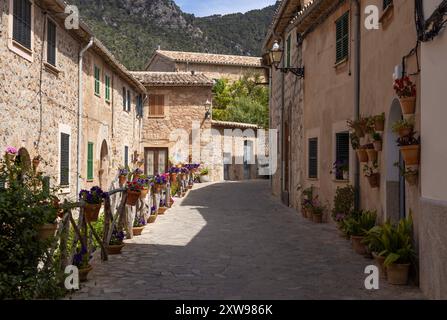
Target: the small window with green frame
(97, 81)
(90, 161)
(107, 87)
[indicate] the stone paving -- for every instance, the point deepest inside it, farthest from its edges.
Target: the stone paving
(235, 241)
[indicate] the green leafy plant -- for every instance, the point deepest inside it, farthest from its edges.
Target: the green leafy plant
(403, 124)
(379, 117)
(204, 172)
(369, 170)
(373, 239)
(377, 136)
(355, 141)
(359, 223)
(343, 203)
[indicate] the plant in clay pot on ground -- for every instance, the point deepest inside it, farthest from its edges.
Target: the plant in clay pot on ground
(318, 210)
(82, 261)
(205, 175)
(406, 91)
(373, 241)
(343, 204)
(398, 250)
(138, 225)
(371, 172)
(357, 226)
(116, 243)
(409, 147)
(307, 202)
(93, 199)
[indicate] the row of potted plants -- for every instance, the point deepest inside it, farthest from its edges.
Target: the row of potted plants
(312, 208)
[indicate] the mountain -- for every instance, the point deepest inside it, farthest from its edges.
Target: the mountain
(133, 29)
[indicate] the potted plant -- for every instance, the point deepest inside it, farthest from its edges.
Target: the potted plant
(138, 226)
(377, 141)
(307, 202)
(160, 182)
(358, 126)
(82, 261)
(205, 175)
(93, 200)
(343, 203)
(122, 175)
(116, 243)
(317, 211)
(399, 251)
(358, 224)
(372, 174)
(406, 91)
(341, 170)
(410, 174)
(163, 207)
(146, 184)
(153, 216)
(409, 147)
(374, 243)
(10, 153)
(362, 154)
(371, 152)
(136, 173)
(379, 122)
(174, 171)
(134, 189)
(403, 127)
(48, 228)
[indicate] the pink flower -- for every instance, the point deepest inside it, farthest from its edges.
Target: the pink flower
(11, 150)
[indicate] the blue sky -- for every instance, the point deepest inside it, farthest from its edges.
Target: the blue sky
(202, 8)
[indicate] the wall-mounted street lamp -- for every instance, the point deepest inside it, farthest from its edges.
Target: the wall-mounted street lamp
(276, 56)
(208, 106)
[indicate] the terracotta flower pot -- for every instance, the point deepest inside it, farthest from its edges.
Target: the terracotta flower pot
(412, 179)
(46, 231)
(83, 273)
(359, 132)
(379, 125)
(372, 155)
(317, 218)
(152, 218)
(374, 180)
(408, 105)
(91, 212)
(362, 155)
(122, 180)
(132, 197)
(358, 246)
(114, 249)
(144, 193)
(162, 210)
(378, 146)
(405, 132)
(174, 177)
(379, 262)
(36, 163)
(410, 154)
(137, 231)
(397, 274)
(157, 188)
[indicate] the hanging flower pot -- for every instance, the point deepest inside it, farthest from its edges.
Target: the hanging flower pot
(378, 146)
(408, 105)
(374, 180)
(144, 193)
(91, 212)
(173, 177)
(358, 246)
(46, 231)
(372, 155)
(397, 274)
(379, 122)
(404, 132)
(157, 188)
(410, 154)
(412, 178)
(137, 231)
(132, 197)
(122, 179)
(114, 249)
(83, 273)
(362, 155)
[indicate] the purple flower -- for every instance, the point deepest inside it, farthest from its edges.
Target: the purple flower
(11, 150)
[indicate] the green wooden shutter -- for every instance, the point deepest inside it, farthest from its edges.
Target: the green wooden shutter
(97, 80)
(342, 37)
(386, 3)
(107, 81)
(51, 43)
(289, 51)
(124, 99)
(313, 158)
(342, 151)
(65, 160)
(90, 161)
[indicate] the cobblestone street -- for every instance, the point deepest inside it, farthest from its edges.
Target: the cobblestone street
(235, 241)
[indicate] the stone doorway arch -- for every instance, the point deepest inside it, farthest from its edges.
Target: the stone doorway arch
(104, 163)
(395, 182)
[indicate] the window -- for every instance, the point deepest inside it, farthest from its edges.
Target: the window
(341, 155)
(51, 43)
(289, 51)
(124, 99)
(156, 105)
(139, 105)
(129, 101)
(342, 34)
(107, 82)
(126, 156)
(313, 158)
(387, 3)
(97, 80)
(21, 26)
(90, 161)
(65, 160)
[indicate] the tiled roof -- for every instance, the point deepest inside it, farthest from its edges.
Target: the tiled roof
(229, 124)
(175, 79)
(209, 58)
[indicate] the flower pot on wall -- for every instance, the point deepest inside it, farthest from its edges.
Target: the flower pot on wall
(398, 274)
(405, 132)
(144, 193)
(132, 197)
(412, 179)
(372, 155)
(122, 180)
(91, 212)
(410, 154)
(362, 155)
(379, 125)
(408, 105)
(374, 180)
(378, 146)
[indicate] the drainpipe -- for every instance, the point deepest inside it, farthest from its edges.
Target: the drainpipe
(80, 112)
(357, 28)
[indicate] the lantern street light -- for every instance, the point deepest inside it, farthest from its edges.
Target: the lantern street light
(277, 55)
(208, 106)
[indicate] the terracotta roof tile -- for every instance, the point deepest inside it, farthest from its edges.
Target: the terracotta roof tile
(210, 58)
(229, 124)
(173, 78)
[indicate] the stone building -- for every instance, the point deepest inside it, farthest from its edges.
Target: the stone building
(349, 71)
(214, 66)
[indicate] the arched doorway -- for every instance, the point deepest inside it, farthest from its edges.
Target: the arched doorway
(23, 159)
(395, 182)
(104, 166)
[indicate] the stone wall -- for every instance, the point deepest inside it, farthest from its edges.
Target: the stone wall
(212, 71)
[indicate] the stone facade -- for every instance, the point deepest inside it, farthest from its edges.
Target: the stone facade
(319, 106)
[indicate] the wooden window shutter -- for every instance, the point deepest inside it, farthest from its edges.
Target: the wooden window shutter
(342, 151)
(161, 105)
(107, 81)
(90, 161)
(342, 37)
(22, 22)
(124, 99)
(65, 160)
(126, 156)
(289, 52)
(51, 43)
(313, 158)
(129, 101)
(97, 80)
